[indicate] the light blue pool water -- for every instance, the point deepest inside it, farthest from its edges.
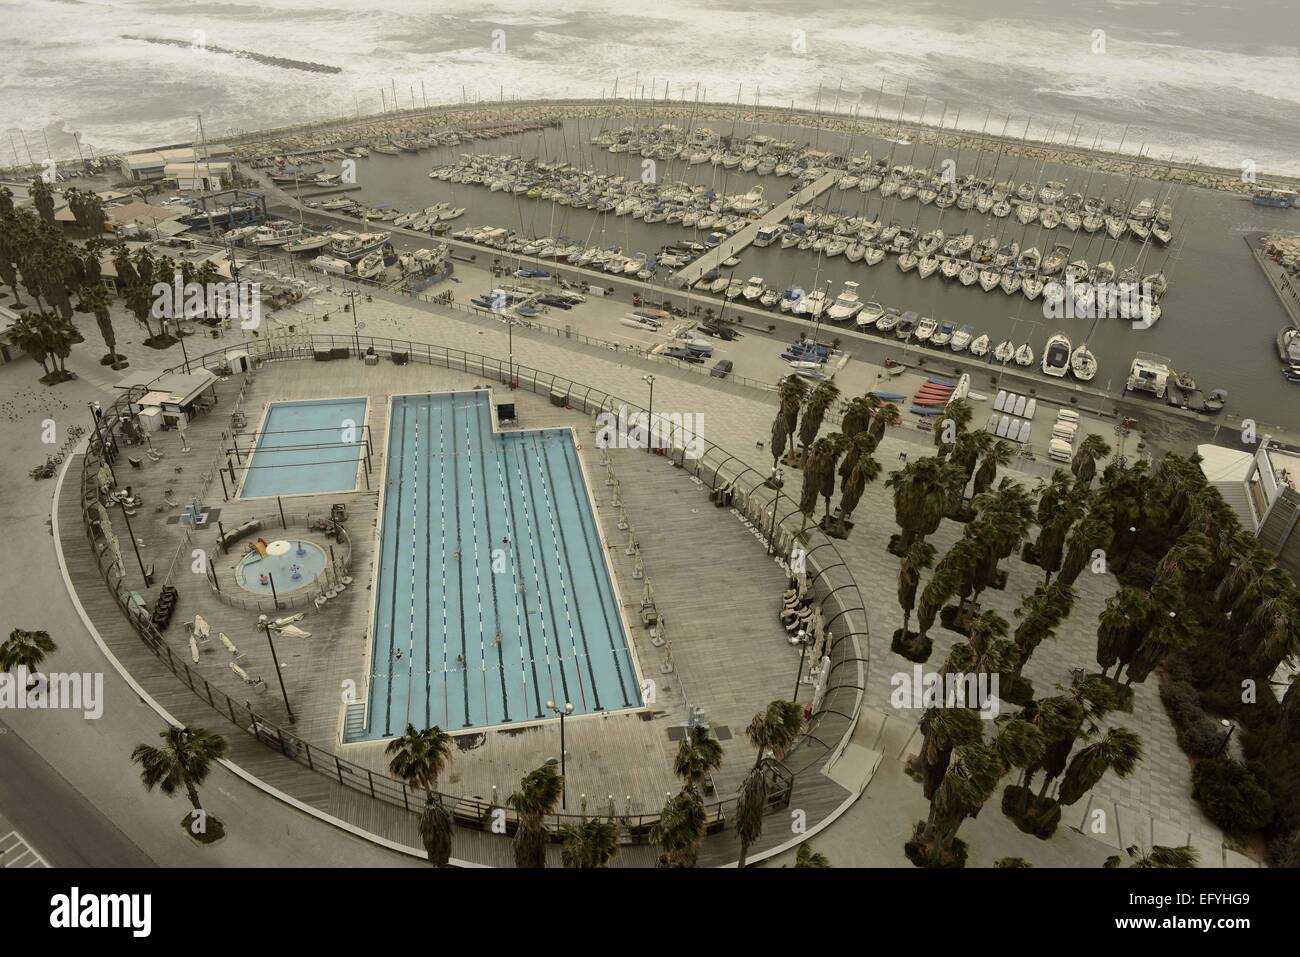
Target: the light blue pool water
(492, 582)
(296, 568)
(307, 447)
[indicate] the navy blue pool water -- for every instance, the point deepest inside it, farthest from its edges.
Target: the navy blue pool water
(307, 447)
(492, 581)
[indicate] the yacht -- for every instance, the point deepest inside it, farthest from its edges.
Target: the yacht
(308, 243)
(753, 289)
(1056, 356)
(811, 305)
(277, 232)
(846, 304)
(352, 246)
(925, 329)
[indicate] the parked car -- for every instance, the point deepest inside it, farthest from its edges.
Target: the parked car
(721, 369)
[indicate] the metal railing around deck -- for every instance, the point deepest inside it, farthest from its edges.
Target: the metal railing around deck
(827, 728)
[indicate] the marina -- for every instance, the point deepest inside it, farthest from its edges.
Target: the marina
(1112, 341)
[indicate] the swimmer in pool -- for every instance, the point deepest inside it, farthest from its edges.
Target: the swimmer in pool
(398, 652)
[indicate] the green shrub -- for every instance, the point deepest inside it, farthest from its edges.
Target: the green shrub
(1231, 796)
(1202, 738)
(1183, 702)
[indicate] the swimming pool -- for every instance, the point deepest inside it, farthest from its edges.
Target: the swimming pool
(307, 447)
(492, 593)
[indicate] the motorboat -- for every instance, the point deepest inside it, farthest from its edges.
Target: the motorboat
(1056, 356)
(906, 326)
(943, 335)
(846, 304)
(811, 305)
(925, 329)
(753, 289)
(869, 314)
(888, 320)
(961, 339)
(308, 243)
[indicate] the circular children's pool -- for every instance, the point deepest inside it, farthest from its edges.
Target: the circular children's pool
(290, 565)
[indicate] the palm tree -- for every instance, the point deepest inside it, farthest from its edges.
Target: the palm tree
(1189, 557)
(183, 762)
(969, 782)
(999, 454)
(1120, 628)
(25, 649)
(920, 556)
(924, 491)
(884, 416)
(419, 758)
(814, 412)
(1084, 463)
(1043, 609)
(592, 844)
(858, 414)
(942, 730)
(943, 585)
(1171, 626)
(775, 729)
(697, 756)
(1158, 856)
(680, 829)
(1119, 751)
(1094, 531)
(959, 413)
(818, 468)
(779, 436)
(539, 792)
(1051, 537)
(751, 805)
(807, 857)
(859, 470)
(793, 392)
(94, 297)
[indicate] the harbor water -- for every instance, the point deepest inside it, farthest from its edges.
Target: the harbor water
(1220, 316)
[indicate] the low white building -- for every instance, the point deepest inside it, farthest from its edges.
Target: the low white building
(204, 176)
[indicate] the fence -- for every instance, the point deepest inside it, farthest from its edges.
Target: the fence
(843, 683)
(330, 577)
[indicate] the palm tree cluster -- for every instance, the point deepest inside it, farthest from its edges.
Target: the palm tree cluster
(37, 259)
(852, 449)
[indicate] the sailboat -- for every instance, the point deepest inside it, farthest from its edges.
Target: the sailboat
(980, 347)
(1056, 356)
(1083, 364)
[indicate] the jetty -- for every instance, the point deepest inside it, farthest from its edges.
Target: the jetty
(734, 244)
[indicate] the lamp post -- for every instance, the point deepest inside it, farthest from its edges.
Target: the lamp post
(265, 624)
(356, 329)
(803, 654)
(778, 479)
(650, 412)
(97, 415)
(1228, 736)
(134, 544)
(562, 712)
(180, 335)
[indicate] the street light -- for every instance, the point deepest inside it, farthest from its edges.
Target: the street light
(562, 712)
(97, 415)
(649, 420)
(1227, 737)
(778, 479)
(265, 625)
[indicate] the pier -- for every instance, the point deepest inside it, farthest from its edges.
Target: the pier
(690, 273)
(1282, 284)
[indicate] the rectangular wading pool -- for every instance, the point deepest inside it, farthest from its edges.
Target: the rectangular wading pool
(492, 593)
(306, 448)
